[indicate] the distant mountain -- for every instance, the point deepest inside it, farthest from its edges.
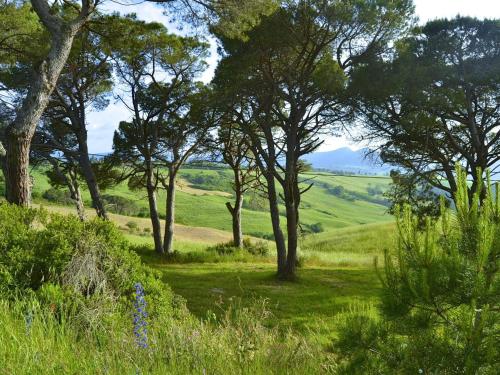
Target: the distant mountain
(346, 160)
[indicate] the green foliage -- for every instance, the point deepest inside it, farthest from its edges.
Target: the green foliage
(121, 205)
(85, 262)
(209, 181)
(58, 196)
(440, 295)
(259, 248)
(416, 193)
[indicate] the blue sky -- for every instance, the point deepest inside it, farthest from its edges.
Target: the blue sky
(101, 125)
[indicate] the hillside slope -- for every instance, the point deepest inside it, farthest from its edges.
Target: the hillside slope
(333, 202)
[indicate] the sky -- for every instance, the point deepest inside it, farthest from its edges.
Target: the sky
(101, 125)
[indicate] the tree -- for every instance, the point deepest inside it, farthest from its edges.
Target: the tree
(439, 310)
(184, 134)
(19, 133)
(157, 70)
(435, 103)
(84, 84)
(235, 149)
(291, 76)
(65, 170)
(417, 194)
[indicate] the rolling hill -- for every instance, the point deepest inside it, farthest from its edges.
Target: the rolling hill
(346, 160)
(334, 202)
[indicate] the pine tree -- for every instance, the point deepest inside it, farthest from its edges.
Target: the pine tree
(440, 305)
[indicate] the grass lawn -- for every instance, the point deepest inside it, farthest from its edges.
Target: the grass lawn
(308, 305)
(337, 273)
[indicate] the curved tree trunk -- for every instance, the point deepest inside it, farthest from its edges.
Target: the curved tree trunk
(20, 132)
(153, 212)
(88, 173)
(168, 244)
(76, 194)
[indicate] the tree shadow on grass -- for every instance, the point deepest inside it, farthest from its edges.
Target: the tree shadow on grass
(310, 302)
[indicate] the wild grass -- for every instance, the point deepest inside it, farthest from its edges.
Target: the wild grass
(235, 343)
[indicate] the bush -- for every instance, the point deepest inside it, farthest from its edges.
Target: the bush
(86, 259)
(121, 205)
(440, 296)
(58, 196)
(259, 248)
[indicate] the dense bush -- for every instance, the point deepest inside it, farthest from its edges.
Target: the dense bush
(259, 248)
(440, 296)
(59, 196)
(60, 256)
(121, 205)
(67, 306)
(312, 228)
(212, 180)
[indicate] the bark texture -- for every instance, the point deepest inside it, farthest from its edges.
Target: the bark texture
(153, 211)
(168, 243)
(45, 75)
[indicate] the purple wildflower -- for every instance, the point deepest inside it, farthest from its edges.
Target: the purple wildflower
(28, 320)
(140, 316)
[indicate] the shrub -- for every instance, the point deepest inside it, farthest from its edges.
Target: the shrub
(90, 259)
(58, 196)
(260, 248)
(133, 226)
(440, 295)
(121, 205)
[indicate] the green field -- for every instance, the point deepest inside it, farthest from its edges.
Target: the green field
(203, 204)
(336, 264)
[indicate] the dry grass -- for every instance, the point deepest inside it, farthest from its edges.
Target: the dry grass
(185, 187)
(185, 233)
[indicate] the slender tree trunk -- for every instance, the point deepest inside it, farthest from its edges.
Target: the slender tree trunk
(80, 208)
(76, 194)
(292, 243)
(20, 132)
(88, 173)
(168, 243)
(236, 217)
(279, 238)
(153, 212)
(292, 201)
(3, 166)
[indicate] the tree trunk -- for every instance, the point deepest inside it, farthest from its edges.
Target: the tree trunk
(236, 217)
(17, 178)
(292, 243)
(168, 243)
(76, 195)
(80, 208)
(292, 200)
(279, 238)
(20, 132)
(3, 166)
(88, 173)
(153, 213)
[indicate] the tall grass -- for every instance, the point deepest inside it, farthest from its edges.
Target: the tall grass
(35, 341)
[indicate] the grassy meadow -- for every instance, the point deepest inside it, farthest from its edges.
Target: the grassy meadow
(337, 264)
(336, 272)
